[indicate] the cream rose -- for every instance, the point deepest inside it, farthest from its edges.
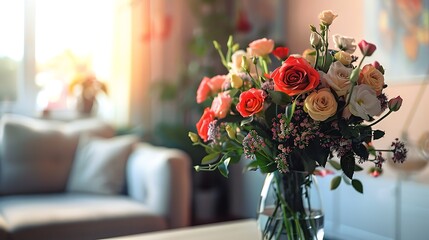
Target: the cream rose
(344, 57)
(327, 17)
(369, 75)
(344, 43)
(237, 60)
(321, 104)
(261, 47)
(338, 78)
(364, 102)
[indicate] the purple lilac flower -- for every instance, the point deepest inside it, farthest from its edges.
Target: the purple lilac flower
(282, 163)
(399, 151)
(213, 133)
(268, 86)
(252, 143)
(383, 101)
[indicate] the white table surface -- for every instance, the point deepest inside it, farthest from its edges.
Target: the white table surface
(237, 230)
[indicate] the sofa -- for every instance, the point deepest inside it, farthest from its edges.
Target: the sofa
(81, 180)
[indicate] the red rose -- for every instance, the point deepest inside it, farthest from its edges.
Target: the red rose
(295, 76)
(203, 124)
(251, 102)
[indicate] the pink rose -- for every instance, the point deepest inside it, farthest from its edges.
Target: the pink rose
(216, 83)
(251, 102)
(221, 105)
(203, 124)
(261, 47)
(295, 76)
(210, 86)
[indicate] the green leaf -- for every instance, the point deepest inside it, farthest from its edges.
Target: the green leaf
(289, 111)
(265, 164)
(233, 92)
(210, 158)
(378, 134)
(252, 166)
(280, 98)
(358, 168)
(247, 121)
(335, 164)
(348, 164)
(223, 167)
(335, 182)
(361, 150)
(357, 185)
(316, 153)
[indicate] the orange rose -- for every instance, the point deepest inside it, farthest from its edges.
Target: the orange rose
(203, 124)
(372, 77)
(295, 76)
(251, 102)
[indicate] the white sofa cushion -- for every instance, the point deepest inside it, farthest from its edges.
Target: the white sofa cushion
(99, 165)
(76, 216)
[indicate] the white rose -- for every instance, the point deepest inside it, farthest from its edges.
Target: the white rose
(338, 78)
(327, 17)
(236, 60)
(344, 43)
(364, 102)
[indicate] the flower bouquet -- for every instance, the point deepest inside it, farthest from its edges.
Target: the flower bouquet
(316, 108)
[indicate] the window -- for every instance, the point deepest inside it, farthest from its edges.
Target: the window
(11, 50)
(47, 42)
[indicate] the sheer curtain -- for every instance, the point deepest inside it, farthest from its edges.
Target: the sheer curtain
(160, 31)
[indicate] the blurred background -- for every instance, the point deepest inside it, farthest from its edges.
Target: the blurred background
(138, 63)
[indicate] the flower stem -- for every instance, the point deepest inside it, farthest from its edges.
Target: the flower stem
(378, 120)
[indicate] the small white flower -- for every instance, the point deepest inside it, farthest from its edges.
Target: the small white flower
(344, 43)
(315, 40)
(364, 102)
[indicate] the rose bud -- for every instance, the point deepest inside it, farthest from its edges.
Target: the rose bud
(366, 48)
(236, 81)
(281, 53)
(315, 40)
(194, 137)
(395, 104)
(230, 131)
(378, 66)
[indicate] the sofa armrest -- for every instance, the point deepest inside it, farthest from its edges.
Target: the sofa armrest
(160, 178)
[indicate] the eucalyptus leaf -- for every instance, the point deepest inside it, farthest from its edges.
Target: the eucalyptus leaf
(210, 158)
(335, 182)
(357, 185)
(348, 164)
(335, 164)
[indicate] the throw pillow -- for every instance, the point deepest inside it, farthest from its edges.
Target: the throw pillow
(99, 165)
(35, 155)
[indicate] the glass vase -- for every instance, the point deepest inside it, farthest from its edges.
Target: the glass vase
(290, 207)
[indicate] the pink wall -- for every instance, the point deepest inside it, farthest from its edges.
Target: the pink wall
(350, 22)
